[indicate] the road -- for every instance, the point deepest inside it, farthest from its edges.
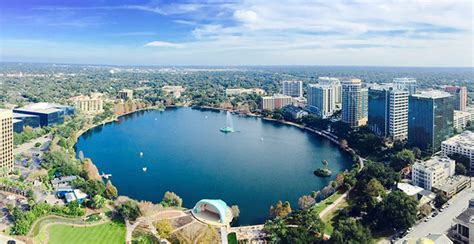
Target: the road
(442, 222)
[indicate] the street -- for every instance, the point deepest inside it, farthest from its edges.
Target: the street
(442, 222)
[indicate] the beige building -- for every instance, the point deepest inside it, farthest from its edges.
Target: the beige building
(125, 94)
(432, 172)
(460, 119)
(89, 104)
(276, 101)
(175, 91)
(6, 141)
(240, 91)
(354, 103)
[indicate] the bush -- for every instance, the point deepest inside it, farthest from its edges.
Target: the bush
(129, 210)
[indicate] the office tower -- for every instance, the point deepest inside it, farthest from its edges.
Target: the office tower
(430, 120)
(354, 103)
(388, 112)
(335, 83)
(407, 84)
(460, 96)
(321, 100)
(6, 142)
(293, 88)
(276, 101)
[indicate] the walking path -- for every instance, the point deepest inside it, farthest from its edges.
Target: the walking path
(333, 205)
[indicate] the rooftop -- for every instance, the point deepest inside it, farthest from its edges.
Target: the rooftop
(41, 107)
(435, 162)
(453, 182)
(432, 94)
(464, 140)
(409, 189)
(467, 216)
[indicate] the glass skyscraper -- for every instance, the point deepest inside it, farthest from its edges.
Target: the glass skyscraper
(430, 120)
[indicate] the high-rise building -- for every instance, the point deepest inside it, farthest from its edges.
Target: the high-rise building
(388, 111)
(407, 84)
(461, 119)
(276, 101)
(335, 83)
(293, 88)
(321, 100)
(6, 142)
(432, 172)
(460, 96)
(354, 103)
(430, 120)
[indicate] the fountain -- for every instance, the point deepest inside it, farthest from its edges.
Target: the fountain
(230, 125)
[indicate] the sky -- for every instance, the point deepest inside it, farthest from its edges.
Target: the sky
(267, 32)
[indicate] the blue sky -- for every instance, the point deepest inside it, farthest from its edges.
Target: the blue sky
(370, 32)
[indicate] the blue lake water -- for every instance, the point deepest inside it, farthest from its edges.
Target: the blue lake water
(184, 152)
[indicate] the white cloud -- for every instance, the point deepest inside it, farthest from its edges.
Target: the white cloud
(246, 16)
(163, 44)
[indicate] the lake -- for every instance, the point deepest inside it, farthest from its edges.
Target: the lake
(184, 152)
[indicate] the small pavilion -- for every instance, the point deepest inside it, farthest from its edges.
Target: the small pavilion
(213, 212)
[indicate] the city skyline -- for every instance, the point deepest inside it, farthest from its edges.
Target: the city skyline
(238, 33)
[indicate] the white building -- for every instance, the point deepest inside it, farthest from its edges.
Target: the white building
(293, 88)
(354, 103)
(335, 83)
(461, 144)
(240, 91)
(432, 172)
(6, 142)
(407, 84)
(460, 119)
(276, 101)
(174, 91)
(321, 100)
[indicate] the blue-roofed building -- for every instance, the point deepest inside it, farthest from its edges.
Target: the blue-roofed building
(48, 113)
(17, 125)
(30, 120)
(213, 211)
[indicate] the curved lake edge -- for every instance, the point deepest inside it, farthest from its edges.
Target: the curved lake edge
(239, 113)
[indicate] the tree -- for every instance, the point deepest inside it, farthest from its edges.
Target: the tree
(276, 229)
(310, 227)
(375, 189)
(281, 210)
(416, 152)
(170, 199)
(425, 209)
(402, 159)
(111, 191)
(129, 210)
(91, 170)
(460, 169)
(350, 231)
(305, 202)
(98, 201)
(440, 200)
(396, 211)
(164, 228)
(235, 211)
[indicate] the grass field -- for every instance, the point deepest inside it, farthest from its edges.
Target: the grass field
(326, 202)
(112, 232)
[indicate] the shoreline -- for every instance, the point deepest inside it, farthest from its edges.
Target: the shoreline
(327, 136)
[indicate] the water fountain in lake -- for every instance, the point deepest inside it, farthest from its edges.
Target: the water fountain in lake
(229, 124)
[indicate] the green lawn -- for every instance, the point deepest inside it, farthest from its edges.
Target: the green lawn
(326, 202)
(112, 232)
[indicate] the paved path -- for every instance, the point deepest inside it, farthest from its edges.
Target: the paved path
(333, 205)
